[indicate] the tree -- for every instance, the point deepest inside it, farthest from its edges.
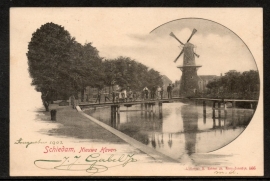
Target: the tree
(251, 81)
(116, 72)
(93, 66)
(49, 59)
(126, 72)
(233, 82)
(86, 68)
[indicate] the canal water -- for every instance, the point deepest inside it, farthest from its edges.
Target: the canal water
(178, 128)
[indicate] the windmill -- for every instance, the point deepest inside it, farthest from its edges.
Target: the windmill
(189, 80)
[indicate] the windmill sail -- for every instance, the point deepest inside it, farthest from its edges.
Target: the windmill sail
(179, 55)
(193, 32)
(171, 34)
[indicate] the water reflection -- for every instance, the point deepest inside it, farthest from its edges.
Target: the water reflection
(190, 125)
(176, 129)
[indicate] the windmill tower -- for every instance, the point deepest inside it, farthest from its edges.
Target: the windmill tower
(189, 80)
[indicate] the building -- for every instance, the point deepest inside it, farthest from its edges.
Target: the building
(189, 78)
(204, 80)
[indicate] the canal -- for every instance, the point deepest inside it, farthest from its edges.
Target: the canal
(178, 129)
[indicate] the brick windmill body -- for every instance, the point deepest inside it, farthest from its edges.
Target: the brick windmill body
(189, 80)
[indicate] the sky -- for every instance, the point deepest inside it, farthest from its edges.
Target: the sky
(143, 34)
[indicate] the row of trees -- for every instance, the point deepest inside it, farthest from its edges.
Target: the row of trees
(59, 65)
(126, 72)
(242, 85)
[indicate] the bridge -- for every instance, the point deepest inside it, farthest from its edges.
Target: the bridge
(128, 103)
(219, 104)
(147, 106)
(160, 101)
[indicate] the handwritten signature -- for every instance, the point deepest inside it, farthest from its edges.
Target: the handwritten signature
(92, 164)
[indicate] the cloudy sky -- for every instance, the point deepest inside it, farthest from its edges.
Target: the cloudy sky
(137, 33)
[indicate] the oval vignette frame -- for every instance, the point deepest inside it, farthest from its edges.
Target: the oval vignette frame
(239, 38)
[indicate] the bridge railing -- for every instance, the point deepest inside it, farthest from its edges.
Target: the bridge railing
(240, 95)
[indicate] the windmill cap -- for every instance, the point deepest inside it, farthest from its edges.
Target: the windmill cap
(189, 44)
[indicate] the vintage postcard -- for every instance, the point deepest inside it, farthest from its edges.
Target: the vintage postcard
(136, 92)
